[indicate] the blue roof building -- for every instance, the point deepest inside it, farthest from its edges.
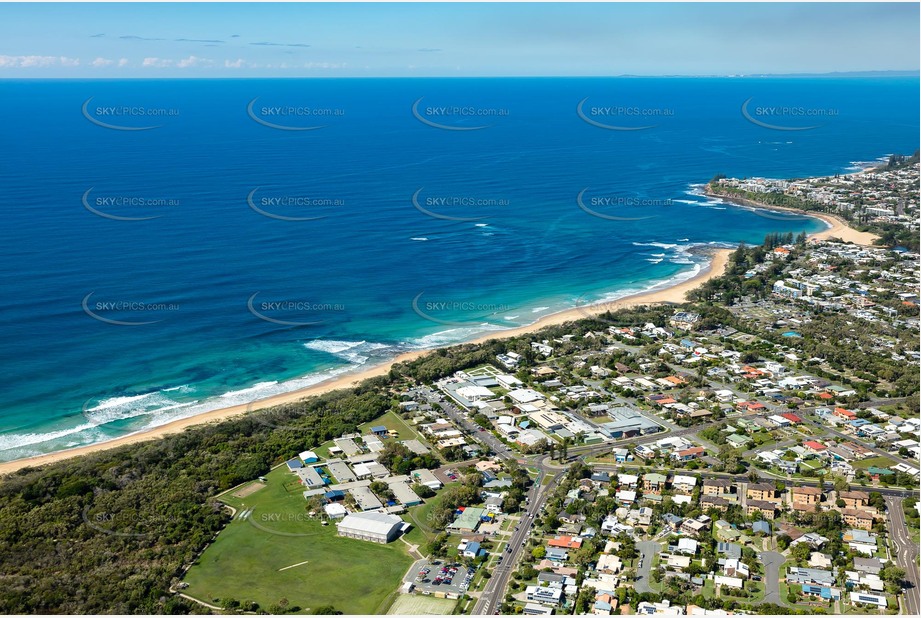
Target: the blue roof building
(761, 526)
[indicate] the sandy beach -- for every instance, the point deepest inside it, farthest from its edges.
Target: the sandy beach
(674, 294)
(838, 226)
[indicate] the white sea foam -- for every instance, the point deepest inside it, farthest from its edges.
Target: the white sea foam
(539, 309)
(419, 238)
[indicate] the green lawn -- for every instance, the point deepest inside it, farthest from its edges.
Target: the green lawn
(879, 462)
(356, 577)
(392, 421)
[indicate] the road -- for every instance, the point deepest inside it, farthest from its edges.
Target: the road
(772, 562)
(494, 592)
(905, 554)
(648, 550)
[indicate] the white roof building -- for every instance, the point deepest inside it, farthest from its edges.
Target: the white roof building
(334, 510)
(372, 526)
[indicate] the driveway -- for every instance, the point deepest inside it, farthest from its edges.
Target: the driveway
(772, 562)
(648, 549)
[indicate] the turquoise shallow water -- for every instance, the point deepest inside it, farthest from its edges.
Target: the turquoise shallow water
(406, 235)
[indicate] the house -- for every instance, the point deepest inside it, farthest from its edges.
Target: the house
(825, 592)
(865, 598)
(762, 527)
(557, 555)
(654, 482)
(627, 480)
(730, 550)
(468, 520)
(806, 495)
(818, 560)
(857, 518)
(762, 491)
(694, 526)
(379, 430)
(473, 550)
(609, 563)
(626, 496)
(678, 562)
(860, 541)
(566, 542)
(734, 567)
(729, 582)
(738, 440)
(815, 447)
(688, 454)
(817, 577)
(544, 595)
(868, 565)
(684, 484)
(533, 609)
(686, 546)
(645, 608)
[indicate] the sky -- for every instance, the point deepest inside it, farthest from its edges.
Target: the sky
(453, 40)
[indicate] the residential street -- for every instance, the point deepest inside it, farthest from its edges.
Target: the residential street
(905, 554)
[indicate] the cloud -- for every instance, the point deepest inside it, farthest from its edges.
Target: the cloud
(270, 44)
(131, 37)
(31, 62)
(102, 62)
(428, 49)
(239, 63)
(158, 63)
(199, 41)
(193, 62)
(123, 62)
(97, 36)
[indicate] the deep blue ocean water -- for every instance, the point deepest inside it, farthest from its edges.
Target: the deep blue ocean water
(496, 235)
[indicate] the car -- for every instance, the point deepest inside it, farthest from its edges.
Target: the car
(756, 578)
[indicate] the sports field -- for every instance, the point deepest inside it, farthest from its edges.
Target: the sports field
(254, 558)
(419, 605)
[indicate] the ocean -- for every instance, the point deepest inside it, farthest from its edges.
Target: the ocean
(177, 246)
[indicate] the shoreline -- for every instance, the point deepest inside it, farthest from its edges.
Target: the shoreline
(837, 227)
(675, 294)
(715, 267)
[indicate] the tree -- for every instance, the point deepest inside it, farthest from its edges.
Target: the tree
(800, 552)
(783, 542)
(877, 501)
(423, 491)
(539, 552)
(326, 610)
